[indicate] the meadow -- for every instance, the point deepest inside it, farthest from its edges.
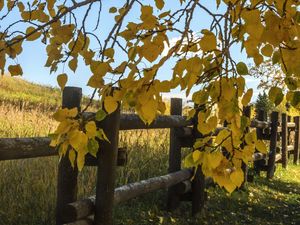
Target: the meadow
(28, 187)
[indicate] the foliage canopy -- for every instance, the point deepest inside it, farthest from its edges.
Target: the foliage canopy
(131, 54)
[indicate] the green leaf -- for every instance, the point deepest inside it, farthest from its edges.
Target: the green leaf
(100, 115)
(242, 68)
(93, 147)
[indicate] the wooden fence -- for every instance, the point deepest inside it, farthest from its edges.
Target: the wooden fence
(98, 209)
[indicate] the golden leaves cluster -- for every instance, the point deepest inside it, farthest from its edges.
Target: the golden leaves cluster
(76, 137)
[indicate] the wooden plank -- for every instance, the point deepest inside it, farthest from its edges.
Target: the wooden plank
(273, 145)
(278, 157)
(67, 176)
(198, 183)
(107, 159)
(83, 208)
(297, 140)
(121, 158)
(259, 124)
(22, 148)
(291, 125)
(173, 199)
(290, 148)
(134, 122)
(258, 156)
(247, 113)
(284, 139)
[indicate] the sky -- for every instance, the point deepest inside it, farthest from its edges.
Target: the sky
(34, 55)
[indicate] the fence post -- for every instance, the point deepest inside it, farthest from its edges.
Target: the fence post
(284, 137)
(247, 113)
(67, 176)
(107, 159)
(297, 139)
(174, 155)
(261, 116)
(273, 145)
(198, 183)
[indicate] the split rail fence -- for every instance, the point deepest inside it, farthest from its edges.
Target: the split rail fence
(98, 209)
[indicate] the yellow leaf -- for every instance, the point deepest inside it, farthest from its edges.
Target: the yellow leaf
(267, 50)
(73, 64)
(110, 104)
(250, 137)
(113, 10)
(196, 155)
(15, 70)
(109, 52)
(188, 161)
(62, 80)
(148, 111)
(78, 140)
(222, 135)
(214, 159)
(20, 6)
(149, 21)
(63, 148)
(96, 81)
(91, 129)
(261, 146)
(208, 42)
(72, 156)
(242, 68)
(81, 159)
(237, 177)
(1, 4)
(276, 95)
(159, 4)
(34, 35)
(63, 127)
(229, 186)
(247, 97)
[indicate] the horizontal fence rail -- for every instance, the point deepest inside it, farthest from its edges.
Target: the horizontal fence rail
(22, 148)
(134, 122)
(83, 208)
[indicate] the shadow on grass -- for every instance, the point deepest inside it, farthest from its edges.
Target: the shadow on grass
(281, 186)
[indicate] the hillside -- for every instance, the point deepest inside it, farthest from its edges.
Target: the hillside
(27, 95)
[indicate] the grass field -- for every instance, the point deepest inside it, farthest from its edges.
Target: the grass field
(28, 187)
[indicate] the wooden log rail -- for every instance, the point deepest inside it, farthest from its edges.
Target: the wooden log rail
(84, 208)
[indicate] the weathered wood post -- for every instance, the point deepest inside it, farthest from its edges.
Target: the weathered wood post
(297, 139)
(261, 116)
(173, 200)
(107, 160)
(198, 183)
(284, 139)
(247, 113)
(67, 176)
(273, 145)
